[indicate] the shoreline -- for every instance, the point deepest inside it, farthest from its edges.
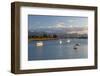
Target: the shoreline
(43, 39)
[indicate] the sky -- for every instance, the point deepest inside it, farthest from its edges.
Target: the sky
(74, 23)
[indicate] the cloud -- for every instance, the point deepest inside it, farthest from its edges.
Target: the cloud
(63, 28)
(79, 30)
(60, 25)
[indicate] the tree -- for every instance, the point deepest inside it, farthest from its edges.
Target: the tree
(45, 35)
(54, 36)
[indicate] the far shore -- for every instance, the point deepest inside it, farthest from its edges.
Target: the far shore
(37, 39)
(43, 39)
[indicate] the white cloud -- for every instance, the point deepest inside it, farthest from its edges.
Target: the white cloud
(60, 25)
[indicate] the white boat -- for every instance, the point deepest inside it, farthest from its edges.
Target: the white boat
(68, 41)
(60, 42)
(39, 43)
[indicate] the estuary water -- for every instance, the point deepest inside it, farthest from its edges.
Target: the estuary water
(58, 49)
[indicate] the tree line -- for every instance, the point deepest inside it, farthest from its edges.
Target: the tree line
(43, 36)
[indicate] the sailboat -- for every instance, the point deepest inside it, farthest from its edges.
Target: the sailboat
(40, 43)
(60, 42)
(68, 41)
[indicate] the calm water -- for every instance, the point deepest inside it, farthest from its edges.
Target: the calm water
(52, 49)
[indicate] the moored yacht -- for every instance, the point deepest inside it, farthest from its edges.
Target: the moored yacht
(68, 41)
(60, 42)
(40, 43)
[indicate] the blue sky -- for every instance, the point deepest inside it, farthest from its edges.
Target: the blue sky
(41, 22)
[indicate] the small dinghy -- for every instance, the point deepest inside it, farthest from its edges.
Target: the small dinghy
(76, 46)
(39, 43)
(68, 41)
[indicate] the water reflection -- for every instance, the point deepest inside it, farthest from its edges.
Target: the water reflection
(58, 49)
(39, 52)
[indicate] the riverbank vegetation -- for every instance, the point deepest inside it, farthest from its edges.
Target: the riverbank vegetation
(54, 36)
